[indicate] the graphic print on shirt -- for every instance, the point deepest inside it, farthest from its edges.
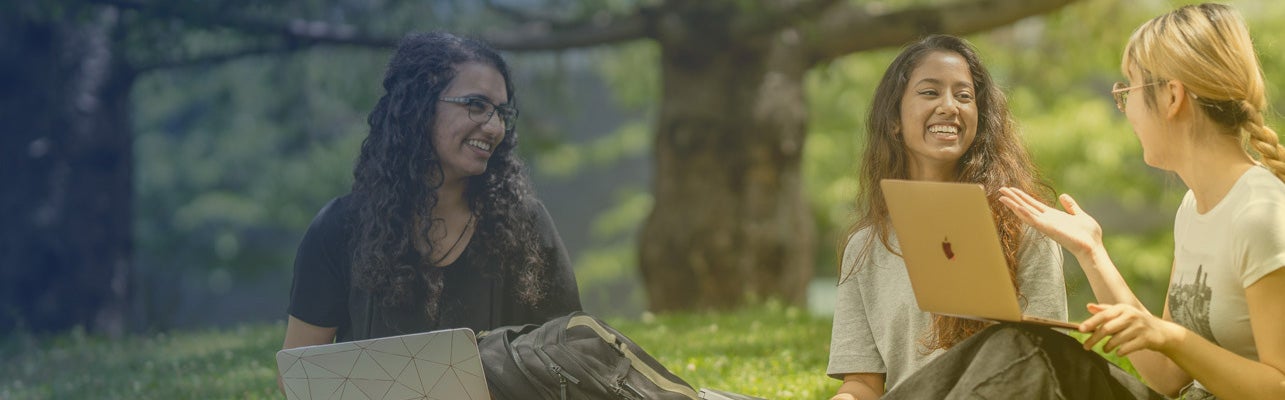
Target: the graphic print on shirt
(1189, 303)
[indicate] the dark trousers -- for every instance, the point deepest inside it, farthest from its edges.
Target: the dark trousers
(1012, 361)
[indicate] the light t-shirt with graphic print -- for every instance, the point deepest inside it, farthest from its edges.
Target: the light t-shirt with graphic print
(1223, 251)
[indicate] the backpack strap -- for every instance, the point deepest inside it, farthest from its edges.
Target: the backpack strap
(638, 364)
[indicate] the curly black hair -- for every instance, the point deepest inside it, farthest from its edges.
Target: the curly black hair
(398, 173)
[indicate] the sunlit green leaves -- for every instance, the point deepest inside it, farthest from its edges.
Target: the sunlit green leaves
(565, 159)
(606, 270)
(633, 70)
(234, 161)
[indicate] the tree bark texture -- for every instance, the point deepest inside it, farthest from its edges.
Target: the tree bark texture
(730, 221)
(66, 244)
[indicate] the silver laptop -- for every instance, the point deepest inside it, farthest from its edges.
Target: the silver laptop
(952, 251)
(434, 365)
(712, 394)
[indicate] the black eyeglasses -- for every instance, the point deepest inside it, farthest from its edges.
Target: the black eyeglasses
(1121, 92)
(480, 110)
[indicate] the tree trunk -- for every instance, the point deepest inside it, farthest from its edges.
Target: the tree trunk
(66, 240)
(730, 221)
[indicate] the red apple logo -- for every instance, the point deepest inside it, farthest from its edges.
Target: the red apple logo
(945, 248)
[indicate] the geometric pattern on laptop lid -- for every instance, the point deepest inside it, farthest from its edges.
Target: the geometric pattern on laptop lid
(440, 366)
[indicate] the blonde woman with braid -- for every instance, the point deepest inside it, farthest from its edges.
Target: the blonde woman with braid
(1194, 91)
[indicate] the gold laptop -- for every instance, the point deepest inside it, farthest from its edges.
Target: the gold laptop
(952, 251)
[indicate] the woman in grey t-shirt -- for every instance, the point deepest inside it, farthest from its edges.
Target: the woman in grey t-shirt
(937, 115)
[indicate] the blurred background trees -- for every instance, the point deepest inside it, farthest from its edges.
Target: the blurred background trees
(232, 122)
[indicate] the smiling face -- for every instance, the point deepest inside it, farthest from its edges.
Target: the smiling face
(938, 115)
(465, 146)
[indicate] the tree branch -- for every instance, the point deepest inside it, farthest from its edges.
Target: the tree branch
(599, 30)
(775, 18)
(300, 30)
(519, 16)
(534, 36)
(221, 57)
(846, 29)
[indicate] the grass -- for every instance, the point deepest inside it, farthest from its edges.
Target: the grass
(770, 351)
(229, 364)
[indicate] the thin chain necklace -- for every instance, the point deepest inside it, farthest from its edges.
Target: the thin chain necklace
(457, 240)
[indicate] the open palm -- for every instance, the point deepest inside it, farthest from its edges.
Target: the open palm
(1074, 229)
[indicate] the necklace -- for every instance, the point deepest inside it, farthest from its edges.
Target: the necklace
(457, 240)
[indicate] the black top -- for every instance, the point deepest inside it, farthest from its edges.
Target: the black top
(323, 293)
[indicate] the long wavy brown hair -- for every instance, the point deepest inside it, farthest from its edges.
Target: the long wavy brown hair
(397, 175)
(996, 159)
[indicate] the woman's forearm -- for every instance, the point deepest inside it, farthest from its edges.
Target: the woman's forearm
(1109, 287)
(1224, 373)
(1160, 373)
(1104, 278)
(854, 390)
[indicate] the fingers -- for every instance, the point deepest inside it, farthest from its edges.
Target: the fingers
(1022, 213)
(1129, 347)
(1093, 321)
(1093, 339)
(1121, 333)
(1095, 324)
(1023, 205)
(1136, 336)
(1069, 204)
(1127, 327)
(1024, 199)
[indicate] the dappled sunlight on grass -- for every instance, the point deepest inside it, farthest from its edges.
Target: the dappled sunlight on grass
(235, 363)
(769, 350)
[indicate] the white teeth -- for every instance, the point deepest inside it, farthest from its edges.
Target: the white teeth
(943, 129)
(478, 144)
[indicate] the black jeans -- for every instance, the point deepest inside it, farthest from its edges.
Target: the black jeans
(1012, 361)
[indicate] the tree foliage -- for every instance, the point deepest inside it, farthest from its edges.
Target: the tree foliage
(245, 116)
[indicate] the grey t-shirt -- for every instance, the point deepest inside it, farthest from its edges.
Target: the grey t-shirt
(878, 324)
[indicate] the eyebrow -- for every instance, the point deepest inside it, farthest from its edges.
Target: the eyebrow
(936, 81)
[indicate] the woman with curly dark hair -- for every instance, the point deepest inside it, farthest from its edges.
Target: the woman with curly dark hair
(441, 229)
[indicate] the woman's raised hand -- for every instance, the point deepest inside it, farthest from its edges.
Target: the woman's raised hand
(1074, 229)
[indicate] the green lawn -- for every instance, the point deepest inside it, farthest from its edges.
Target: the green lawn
(770, 351)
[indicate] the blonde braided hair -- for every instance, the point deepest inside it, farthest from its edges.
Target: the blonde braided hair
(1264, 140)
(1207, 47)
